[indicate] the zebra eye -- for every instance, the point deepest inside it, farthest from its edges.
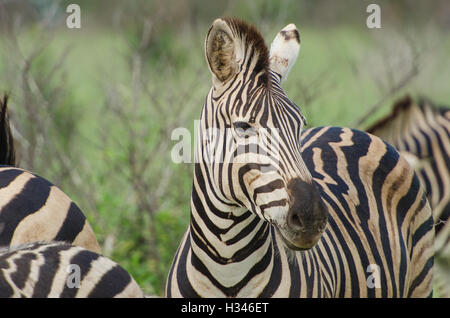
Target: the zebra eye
(244, 129)
(242, 125)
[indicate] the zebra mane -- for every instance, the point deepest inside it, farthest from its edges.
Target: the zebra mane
(253, 40)
(399, 106)
(403, 105)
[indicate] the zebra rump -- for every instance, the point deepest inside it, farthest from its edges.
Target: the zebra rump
(32, 209)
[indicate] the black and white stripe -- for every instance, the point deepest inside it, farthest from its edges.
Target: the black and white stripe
(421, 132)
(258, 225)
(57, 269)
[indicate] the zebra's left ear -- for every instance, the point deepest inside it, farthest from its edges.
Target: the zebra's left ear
(284, 50)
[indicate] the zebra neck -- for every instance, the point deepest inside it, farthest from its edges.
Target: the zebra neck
(226, 234)
(252, 265)
(237, 255)
(228, 250)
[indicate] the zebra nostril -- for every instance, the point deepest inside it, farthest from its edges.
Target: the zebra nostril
(322, 226)
(294, 221)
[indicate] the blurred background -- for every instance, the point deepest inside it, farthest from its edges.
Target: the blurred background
(93, 109)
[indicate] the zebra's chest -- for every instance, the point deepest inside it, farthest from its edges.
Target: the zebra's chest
(277, 272)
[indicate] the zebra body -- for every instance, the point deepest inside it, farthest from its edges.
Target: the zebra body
(257, 226)
(421, 132)
(57, 269)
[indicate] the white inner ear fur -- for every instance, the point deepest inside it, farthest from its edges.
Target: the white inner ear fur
(220, 52)
(284, 50)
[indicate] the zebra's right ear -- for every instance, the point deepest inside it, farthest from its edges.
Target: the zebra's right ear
(284, 50)
(220, 52)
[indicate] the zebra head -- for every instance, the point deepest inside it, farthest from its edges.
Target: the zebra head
(250, 133)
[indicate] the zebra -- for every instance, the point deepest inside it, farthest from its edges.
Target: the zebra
(33, 209)
(58, 269)
(421, 132)
(328, 212)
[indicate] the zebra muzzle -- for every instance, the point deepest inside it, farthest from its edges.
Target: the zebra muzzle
(307, 216)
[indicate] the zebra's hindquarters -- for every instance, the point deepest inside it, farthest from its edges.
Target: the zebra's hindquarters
(61, 270)
(379, 241)
(32, 209)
